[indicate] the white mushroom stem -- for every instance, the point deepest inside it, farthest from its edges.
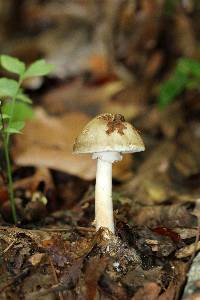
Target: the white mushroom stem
(103, 189)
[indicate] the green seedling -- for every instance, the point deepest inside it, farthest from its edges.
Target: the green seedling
(15, 107)
(186, 76)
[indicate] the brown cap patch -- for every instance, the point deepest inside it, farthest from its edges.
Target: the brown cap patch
(114, 122)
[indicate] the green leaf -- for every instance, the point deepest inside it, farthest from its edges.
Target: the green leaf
(5, 116)
(172, 88)
(12, 64)
(193, 84)
(15, 127)
(22, 111)
(38, 68)
(185, 76)
(8, 87)
(24, 98)
(189, 66)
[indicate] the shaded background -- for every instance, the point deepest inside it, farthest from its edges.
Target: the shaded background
(109, 56)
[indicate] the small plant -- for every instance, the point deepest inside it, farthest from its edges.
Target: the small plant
(186, 76)
(15, 107)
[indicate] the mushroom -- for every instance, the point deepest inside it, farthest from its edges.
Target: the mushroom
(107, 137)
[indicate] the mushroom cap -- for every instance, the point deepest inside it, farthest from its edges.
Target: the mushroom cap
(108, 132)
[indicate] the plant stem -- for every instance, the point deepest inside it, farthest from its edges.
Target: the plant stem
(8, 167)
(6, 140)
(10, 183)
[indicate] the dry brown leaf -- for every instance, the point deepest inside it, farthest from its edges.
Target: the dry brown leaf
(184, 37)
(169, 216)
(151, 184)
(111, 97)
(154, 64)
(31, 183)
(48, 141)
(174, 288)
(130, 101)
(99, 66)
(186, 233)
(10, 234)
(150, 291)
(79, 97)
(36, 258)
(188, 250)
(169, 121)
(95, 269)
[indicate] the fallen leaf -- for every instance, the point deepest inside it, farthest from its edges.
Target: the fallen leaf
(94, 270)
(36, 258)
(150, 291)
(31, 183)
(55, 247)
(187, 250)
(184, 35)
(77, 96)
(168, 216)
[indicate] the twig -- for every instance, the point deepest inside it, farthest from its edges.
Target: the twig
(79, 228)
(9, 246)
